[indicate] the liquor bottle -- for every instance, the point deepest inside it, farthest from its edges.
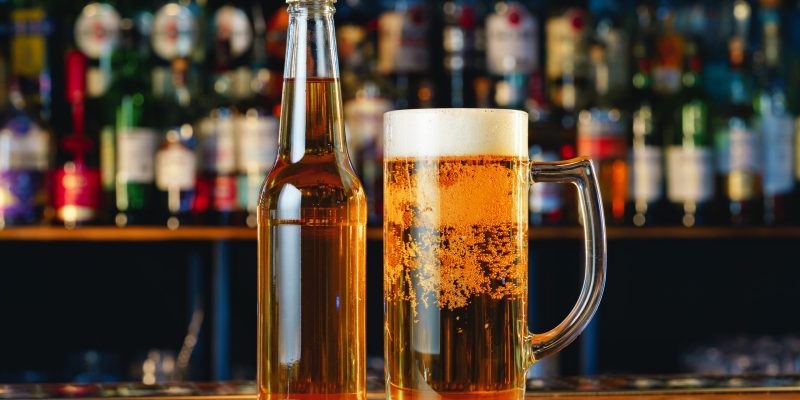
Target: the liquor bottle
(24, 161)
(218, 164)
(463, 63)
(601, 136)
(511, 53)
(76, 194)
(737, 147)
(96, 35)
(773, 119)
(689, 156)
(311, 218)
(134, 131)
(232, 38)
(174, 36)
(255, 127)
(404, 53)
(645, 205)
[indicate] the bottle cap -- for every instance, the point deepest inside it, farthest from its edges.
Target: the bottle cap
(309, 1)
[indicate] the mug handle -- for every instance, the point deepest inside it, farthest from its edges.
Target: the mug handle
(580, 172)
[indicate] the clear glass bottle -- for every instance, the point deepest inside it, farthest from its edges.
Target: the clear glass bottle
(312, 224)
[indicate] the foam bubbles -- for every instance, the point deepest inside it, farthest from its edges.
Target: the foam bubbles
(455, 132)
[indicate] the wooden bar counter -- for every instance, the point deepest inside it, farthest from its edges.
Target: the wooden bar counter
(667, 387)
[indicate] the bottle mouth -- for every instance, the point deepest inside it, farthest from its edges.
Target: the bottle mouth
(310, 1)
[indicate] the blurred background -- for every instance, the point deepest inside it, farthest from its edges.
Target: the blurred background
(135, 136)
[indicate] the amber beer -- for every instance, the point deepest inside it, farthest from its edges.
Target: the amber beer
(455, 268)
(312, 222)
(456, 277)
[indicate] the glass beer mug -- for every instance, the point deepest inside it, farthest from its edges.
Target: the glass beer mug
(456, 253)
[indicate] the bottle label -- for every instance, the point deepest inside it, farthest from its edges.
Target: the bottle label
(666, 80)
(567, 42)
(174, 31)
(21, 194)
(601, 135)
(108, 157)
(97, 30)
(257, 143)
(232, 31)
(511, 41)
(136, 149)
(175, 168)
(77, 194)
(24, 146)
(647, 174)
(778, 139)
(218, 145)
(403, 41)
(737, 150)
(690, 174)
(98, 80)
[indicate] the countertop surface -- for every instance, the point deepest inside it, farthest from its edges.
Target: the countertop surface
(604, 387)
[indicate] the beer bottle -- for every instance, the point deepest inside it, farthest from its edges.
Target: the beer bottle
(312, 224)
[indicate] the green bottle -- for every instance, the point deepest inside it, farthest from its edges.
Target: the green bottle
(135, 134)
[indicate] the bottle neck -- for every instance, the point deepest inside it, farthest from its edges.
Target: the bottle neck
(311, 110)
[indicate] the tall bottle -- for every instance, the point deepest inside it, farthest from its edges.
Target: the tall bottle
(255, 127)
(25, 151)
(76, 194)
(174, 37)
(773, 118)
(312, 224)
(689, 155)
(646, 157)
(97, 35)
(231, 36)
(601, 136)
(404, 55)
(737, 146)
(134, 129)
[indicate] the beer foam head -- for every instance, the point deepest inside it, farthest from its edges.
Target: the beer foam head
(437, 132)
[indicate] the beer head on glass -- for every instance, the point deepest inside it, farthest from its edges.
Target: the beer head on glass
(456, 253)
